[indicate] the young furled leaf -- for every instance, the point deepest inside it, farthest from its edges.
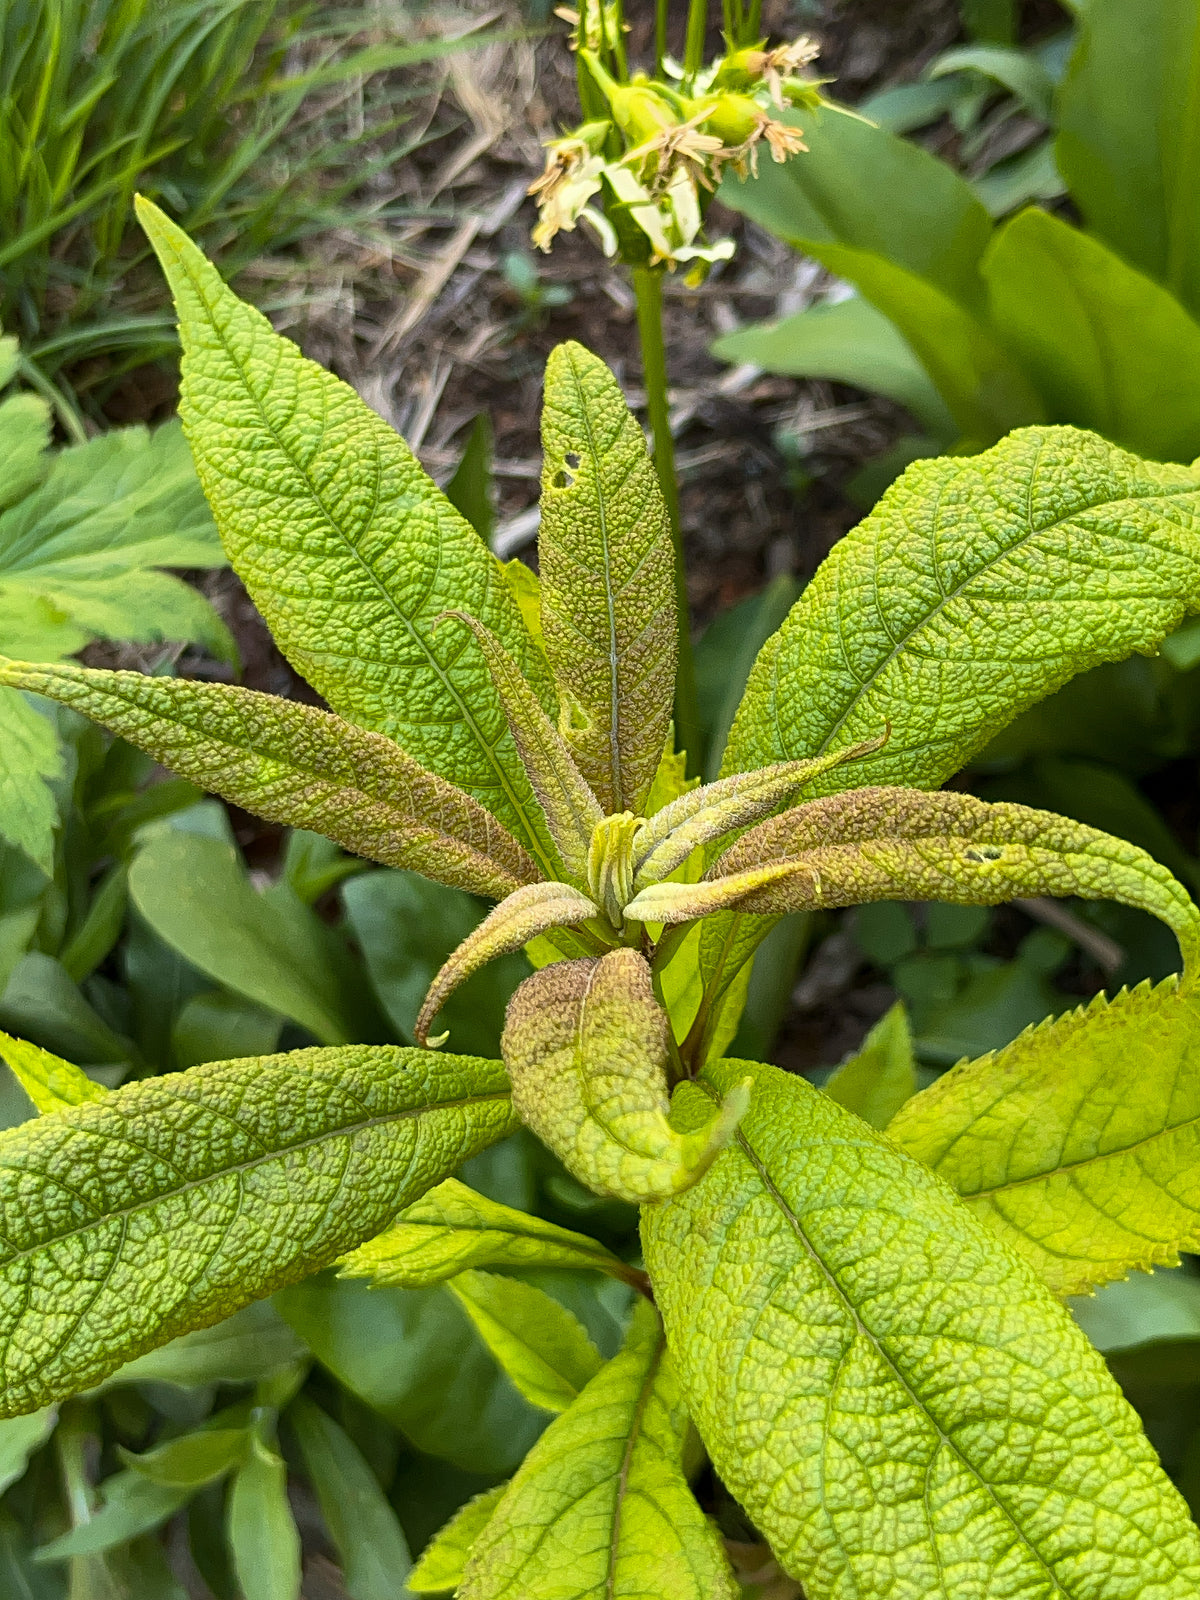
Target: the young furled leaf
(293, 764)
(526, 913)
(702, 815)
(601, 1503)
(539, 1344)
(608, 588)
(571, 809)
(586, 1046)
(452, 1227)
(907, 844)
(976, 587)
(444, 1559)
(898, 1402)
(1087, 1165)
(875, 1082)
(175, 1200)
(50, 1082)
(347, 548)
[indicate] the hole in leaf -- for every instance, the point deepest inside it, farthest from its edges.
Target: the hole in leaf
(984, 852)
(571, 459)
(563, 479)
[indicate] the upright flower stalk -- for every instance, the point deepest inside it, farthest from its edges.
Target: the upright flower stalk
(640, 172)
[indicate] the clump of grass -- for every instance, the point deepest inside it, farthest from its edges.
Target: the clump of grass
(204, 104)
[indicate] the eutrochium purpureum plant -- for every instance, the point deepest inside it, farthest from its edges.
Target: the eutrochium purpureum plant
(639, 172)
(864, 1327)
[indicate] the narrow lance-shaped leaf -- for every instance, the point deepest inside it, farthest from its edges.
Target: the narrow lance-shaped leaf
(1079, 1143)
(452, 1228)
(699, 817)
(444, 1559)
(176, 1200)
(608, 589)
(50, 1082)
(906, 844)
(542, 1346)
(601, 1500)
(899, 1403)
(346, 546)
(571, 809)
(976, 587)
(293, 764)
(526, 913)
(586, 1046)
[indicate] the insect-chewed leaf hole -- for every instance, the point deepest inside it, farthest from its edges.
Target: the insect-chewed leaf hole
(984, 852)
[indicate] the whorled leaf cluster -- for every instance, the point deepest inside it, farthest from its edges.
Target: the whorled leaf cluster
(863, 1327)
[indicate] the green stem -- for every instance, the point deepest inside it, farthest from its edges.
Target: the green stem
(693, 50)
(660, 35)
(647, 287)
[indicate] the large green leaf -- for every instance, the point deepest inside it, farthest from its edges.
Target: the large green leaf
(1079, 1143)
(608, 588)
(29, 754)
(413, 1356)
(898, 1402)
(1119, 354)
(176, 1200)
(543, 1347)
(975, 588)
(1129, 135)
(195, 894)
(348, 549)
(440, 1569)
(291, 763)
(586, 1046)
(452, 1228)
(850, 341)
(861, 187)
(601, 1507)
(373, 1551)
(79, 557)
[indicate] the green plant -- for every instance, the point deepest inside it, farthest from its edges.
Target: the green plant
(979, 328)
(84, 533)
(864, 1329)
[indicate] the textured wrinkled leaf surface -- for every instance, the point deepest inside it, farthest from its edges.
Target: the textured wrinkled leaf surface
(452, 1228)
(608, 595)
(539, 1344)
(600, 1509)
(50, 1082)
(293, 764)
(570, 808)
(347, 547)
(907, 844)
(176, 1200)
(900, 1405)
(526, 913)
(1079, 1143)
(586, 1048)
(975, 588)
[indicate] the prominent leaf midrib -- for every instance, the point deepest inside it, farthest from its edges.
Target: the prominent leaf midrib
(280, 1152)
(946, 1441)
(614, 726)
(489, 749)
(649, 1379)
(924, 621)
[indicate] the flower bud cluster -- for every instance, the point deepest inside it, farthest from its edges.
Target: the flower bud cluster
(641, 178)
